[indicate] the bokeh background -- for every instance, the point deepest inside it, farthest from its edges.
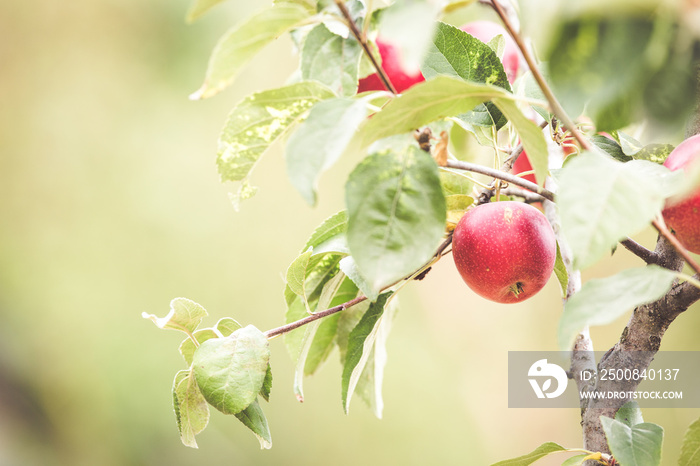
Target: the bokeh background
(111, 206)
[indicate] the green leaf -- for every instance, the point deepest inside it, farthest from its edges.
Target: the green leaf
(329, 291)
(240, 44)
(223, 328)
(185, 315)
(325, 336)
(258, 121)
(231, 371)
(629, 414)
(369, 384)
(576, 460)
(396, 214)
(560, 272)
(657, 153)
(360, 342)
(459, 54)
(349, 268)
(333, 228)
(440, 97)
(191, 410)
(409, 27)
(601, 301)
(639, 445)
(320, 141)
(254, 419)
(531, 136)
(538, 453)
(602, 201)
(296, 276)
(610, 147)
(267, 384)
(199, 7)
(331, 60)
(690, 450)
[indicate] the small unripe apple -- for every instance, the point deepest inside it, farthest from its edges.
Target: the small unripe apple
(391, 63)
(684, 216)
(504, 251)
(487, 30)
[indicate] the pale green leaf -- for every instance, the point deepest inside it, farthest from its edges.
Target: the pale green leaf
(440, 97)
(409, 26)
(602, 201)
(325, 336)
(327, 294)
(561, 272)
(349, 267)
(185, 315)
(320, 141)
(328, 232)
(576, 460)
(638, 445)
(199, 7)
(223, 328)
(240, 44)
(601, 301)
(690, 450)
(396, 214)
(191, 409)
(360, 343)
(629, 414)
(254, 419)
(258, 121)
(531, 137)
(231, 371)
(537, 454)
(296, 276)
(453, 5)
(267, 384)
(331, 60)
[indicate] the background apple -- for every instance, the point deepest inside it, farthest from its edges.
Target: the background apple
(391, 62)
(684, 217)
(487, 30)
(521, 165)
(504, 251)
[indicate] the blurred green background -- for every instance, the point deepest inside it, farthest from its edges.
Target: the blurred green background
(111, 206)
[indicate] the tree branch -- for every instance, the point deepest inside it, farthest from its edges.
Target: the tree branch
(472, 167)
(363, 42)
(556, 107)
(650, 257)
(663, 231)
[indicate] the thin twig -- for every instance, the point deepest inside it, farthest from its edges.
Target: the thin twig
(556, 107)
(663, 231)
(315, 316)
(363, 42)
(472, 167)
(529, 196)
(650, 257)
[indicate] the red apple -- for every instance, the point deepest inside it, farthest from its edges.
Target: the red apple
(505, 251)
(521, 165)
(684, 216)
(487, 30)
(391, 63)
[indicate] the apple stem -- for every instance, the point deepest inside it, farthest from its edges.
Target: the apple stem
(556, 107)
(365, 46)
(516, 289)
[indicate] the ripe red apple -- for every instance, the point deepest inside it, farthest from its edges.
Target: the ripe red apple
(521, 165)
(505, 251)
(684, 216)
(487, 30)
(391, 63)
